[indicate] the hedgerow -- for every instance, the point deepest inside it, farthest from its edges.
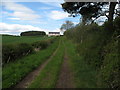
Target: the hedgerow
(14, 51)
(99, 48)
(11, 52)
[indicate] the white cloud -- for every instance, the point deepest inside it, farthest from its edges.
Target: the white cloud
(54, 3)
(57, 15)
(5, 13)
(33, 1)
(76, 23)
(16, 7)
(14, 18)
(17, 28)
(101, 20)
(25, 16)
(20, 11)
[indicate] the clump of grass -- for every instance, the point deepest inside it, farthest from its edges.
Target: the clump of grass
(13, 72)
(49, 75)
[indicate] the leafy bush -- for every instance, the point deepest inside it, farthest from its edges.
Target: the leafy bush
(43, 44)
(14, 51)
(117, 23)
(110, 70)
(98, 45)
(117, 27)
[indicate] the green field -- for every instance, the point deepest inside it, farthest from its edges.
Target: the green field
(22, 39)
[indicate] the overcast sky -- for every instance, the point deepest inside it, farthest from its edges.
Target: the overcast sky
(39, 16)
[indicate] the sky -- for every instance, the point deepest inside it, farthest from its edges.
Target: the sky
(18, 17)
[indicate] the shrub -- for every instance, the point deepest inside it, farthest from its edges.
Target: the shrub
(117, 27)
(99, 48)
(23, 49)
(40, 45)
(110, 70)
(117, 23)
(7, 53)
(43, 44)
(14, 51)
(11, 52)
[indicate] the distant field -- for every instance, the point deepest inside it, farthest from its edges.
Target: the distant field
(22, 39)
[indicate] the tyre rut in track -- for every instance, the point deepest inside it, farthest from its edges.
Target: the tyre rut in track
(31, 76)
(66, 78)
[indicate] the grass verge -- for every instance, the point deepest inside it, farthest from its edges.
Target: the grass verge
(13, 72)
(85, 76)
(49, 75)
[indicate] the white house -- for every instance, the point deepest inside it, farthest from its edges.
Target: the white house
(53, 33)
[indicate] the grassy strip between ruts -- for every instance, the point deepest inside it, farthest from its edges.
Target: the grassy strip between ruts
(49, 75)
(15, 71)
(85, 76)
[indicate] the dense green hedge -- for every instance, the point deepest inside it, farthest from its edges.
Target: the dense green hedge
(110, 69)
(99, 48)
(11, 52)
(43, 44)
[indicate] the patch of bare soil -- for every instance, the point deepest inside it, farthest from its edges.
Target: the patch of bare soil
(66, 78)
(31, 76)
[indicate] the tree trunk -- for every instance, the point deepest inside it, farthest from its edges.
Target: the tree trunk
(111, 11)
(83, 20)
(111, 15)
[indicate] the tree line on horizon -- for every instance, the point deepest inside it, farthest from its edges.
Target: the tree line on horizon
(33, 33)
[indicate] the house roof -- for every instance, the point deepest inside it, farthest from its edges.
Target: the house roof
(54, 32)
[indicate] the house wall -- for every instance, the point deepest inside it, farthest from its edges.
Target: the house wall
(53, 34)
